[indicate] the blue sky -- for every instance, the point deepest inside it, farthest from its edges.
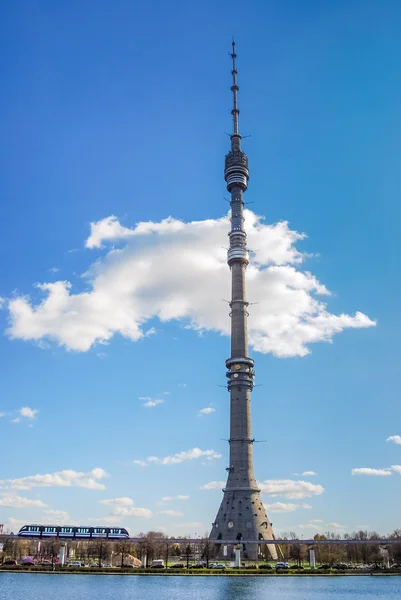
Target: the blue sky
(120, 110)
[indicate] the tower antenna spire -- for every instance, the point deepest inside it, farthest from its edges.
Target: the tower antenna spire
(234, 89)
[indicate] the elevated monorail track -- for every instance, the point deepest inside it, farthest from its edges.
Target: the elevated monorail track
(280, 542)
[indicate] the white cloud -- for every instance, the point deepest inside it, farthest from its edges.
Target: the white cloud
(372, 472)
(281, 507)
(140, 463)
(308, 474)
(317, 521)
(12, 501)
(170, 513)
(2, 414)
(58, 517)
(184, 456)
(206, 411)
(314, 526)
(179, 497)
(109, 519)
(213, 485)
(290, 489)
(129, 286)
(151, 403)
(335, 525)
(28, 413)
(124, 507)
(396, 469)
(54, 270)
(394, 438)
(67, 478)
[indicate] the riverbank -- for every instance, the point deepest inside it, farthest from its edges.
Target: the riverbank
(202, 572)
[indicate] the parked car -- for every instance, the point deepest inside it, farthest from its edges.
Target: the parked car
(10, 562)
(177, 566)
(340, 566)
(45, 563)
(107, 565)
(218, 566)
(282, 565)
(76, 563)
(324, 567)
(157, 564)
(296, 567)
(199, 566)
(265, 566)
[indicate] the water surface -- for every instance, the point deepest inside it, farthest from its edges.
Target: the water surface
(28, 586)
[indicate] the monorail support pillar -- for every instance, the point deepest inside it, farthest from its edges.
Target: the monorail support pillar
(62, 555)
(312, 558)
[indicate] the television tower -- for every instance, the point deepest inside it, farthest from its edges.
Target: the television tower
(241, 514)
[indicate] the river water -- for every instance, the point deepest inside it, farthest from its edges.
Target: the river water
(28, 586)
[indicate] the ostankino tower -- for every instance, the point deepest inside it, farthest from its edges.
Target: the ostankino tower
(241, 514)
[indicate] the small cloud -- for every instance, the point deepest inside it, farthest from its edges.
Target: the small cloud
(396, 439)
(179, 497)
(152, 403)
(101, 354)
(16, 420)
(206, 411)
(183, 385)
(2, 414)
(109, 519)
(66, 478)
(371, 472)
(14, 501)
(184, 456)
(170, 513)
(213, 485)
(281, 507)
(150, 332)
(335, 525)
(54, 270)
(58, 517)
(308, 474)
(306, 506)
(288, 488)
(396, 469)
(124, 507)
(140, 463)
(317, 521)
(28, 413)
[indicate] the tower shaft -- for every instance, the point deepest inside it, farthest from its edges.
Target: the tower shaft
(241, 514)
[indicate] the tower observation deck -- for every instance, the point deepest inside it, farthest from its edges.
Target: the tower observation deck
(241, 514)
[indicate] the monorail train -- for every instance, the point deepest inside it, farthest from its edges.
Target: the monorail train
(45, 531)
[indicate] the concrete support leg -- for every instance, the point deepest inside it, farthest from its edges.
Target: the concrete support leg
(312, 558)
(143, 557)
(62, 555)
(237, 559)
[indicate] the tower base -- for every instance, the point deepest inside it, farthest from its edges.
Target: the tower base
(242, 516)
